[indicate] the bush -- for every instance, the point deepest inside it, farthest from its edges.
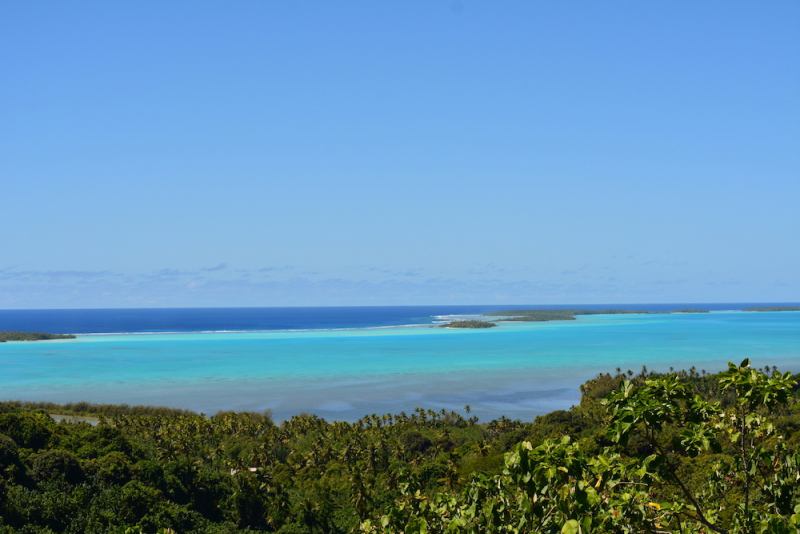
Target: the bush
(28, 430)
(9, 452)
(415, 441)
(113, 469)
(56, 464)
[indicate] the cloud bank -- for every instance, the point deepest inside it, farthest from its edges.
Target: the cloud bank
(290, 286)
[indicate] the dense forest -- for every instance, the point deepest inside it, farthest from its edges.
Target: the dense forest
(31, 336)
(643, 452)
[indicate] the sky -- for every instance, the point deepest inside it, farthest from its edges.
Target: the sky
(308, 153)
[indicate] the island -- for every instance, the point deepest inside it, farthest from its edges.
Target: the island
(773, 308)
(569, 315)
(31, 336)
(467, 324)
(556, 315)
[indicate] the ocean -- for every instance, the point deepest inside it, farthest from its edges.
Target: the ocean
(343, 363)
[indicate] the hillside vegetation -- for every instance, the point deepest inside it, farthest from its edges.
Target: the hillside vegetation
(685, 452)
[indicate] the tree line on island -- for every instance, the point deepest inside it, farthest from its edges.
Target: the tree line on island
(571, 314)
(467, 324)
(642, 452)
(773, 309)
(31, 336)
(549, 315)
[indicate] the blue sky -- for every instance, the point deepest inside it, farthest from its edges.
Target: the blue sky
(349, 153)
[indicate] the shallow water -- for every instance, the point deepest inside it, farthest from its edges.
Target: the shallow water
(517, 369)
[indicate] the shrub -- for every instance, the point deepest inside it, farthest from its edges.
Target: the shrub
(415, 441)
(9, 452)
(28, 430)
(56, 464)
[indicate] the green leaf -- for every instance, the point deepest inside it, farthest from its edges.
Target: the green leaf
(571, 527)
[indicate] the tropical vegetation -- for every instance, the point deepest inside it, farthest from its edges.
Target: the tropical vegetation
(557, 315)
(647, 452)
(31, 336)
(773, 308)
(468, 324)
(569, 315)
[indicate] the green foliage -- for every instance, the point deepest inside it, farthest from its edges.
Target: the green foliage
(91, 409)
(467, 324)
(773, 309)
(28, 430)
(557, 315)
(9, 452)
(569, 315)
(706, 468)
(415, 441)
(629, 465)
(30, 336)
(56, 464)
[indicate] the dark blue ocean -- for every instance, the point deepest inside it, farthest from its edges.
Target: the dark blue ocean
(266, 319)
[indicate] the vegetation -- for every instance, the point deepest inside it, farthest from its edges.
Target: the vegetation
(683, 452)
(569, 315)
(467, 324)
(671, 460)
(92, 409)
(31, 336)
(773, 309)
(556, 315)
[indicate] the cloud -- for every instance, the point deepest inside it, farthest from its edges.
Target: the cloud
(275, 269)
(220, 267)
(7, 274)
(172, 272)
(724, 283)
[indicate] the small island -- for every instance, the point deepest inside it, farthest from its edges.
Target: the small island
(467, 324)
(569, 315)
(556, 315)
(773, 309)
(31, 336)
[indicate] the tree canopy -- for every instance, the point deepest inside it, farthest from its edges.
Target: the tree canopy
(646, 452)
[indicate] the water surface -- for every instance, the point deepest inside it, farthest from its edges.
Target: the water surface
(517, 369)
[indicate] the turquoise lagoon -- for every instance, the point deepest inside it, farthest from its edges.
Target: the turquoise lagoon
(518, 370)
